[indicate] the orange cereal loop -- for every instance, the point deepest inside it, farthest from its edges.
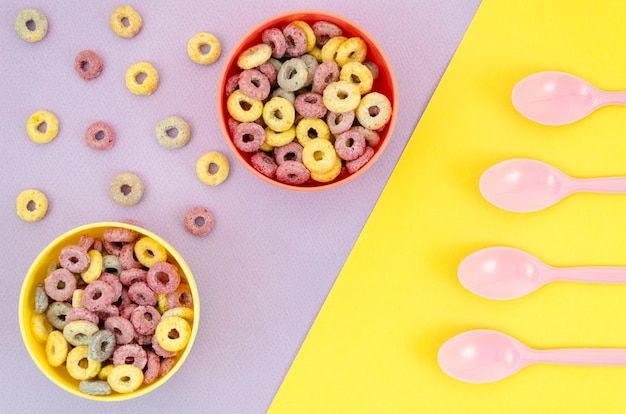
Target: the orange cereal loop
(212, 168)
(142, 78)
(31, 25)
(254, 56)
(126, 22)
(31, 205)
(173, 333)
(352, 50)
(197, 45)
(42, 127)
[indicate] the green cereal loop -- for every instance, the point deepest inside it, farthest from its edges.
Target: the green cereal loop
(31, 25)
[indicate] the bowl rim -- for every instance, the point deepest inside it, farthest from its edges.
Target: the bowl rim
(24, 324)
(302, 14)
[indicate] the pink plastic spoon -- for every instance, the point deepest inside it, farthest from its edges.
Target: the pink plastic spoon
(503, 273)
(559, 98)
(484, 355)
(523, 185)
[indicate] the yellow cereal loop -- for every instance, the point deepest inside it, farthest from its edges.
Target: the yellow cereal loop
(316, 52)
(359, 74)
(41, 327)
(243, 108)
(142, 78)
(265, 147)
(105, 371)
(42, 127)
(311, 128)
(352, 50)
(341, 96)
(319, 156)
(79, 365)
(329, 50)
(197, 45)
(173, 333)
(328, 175)
(374, 111)
(31, 205)
(254, 56)
(77, 298)
(79, 332)
(278, 139)
(148, 251)
(181, 311)
(95, 267)
(279, 114)
(162, 305)
(125, 22)
(308, 33)
(37, 19)
(212, 168)
(56, 349)
(125, 378)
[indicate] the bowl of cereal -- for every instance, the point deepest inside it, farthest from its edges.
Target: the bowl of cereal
(307, 100)
(109, 311)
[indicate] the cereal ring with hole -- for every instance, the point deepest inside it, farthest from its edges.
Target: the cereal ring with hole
(296, 40)
(292, 173)
(31, 25)
(185, 313)
(292, 75)
(339, 122)
(79, 332)
(310, 105)
(355, 165)
(125, 22)
(100, 136)
(248, 137)
(74, 259)
(324, 31)
(142, 78)
(42, 127)
(119, 235)
(358, 74)
(352, 50)
(374, 111)
(350, 145)
(111, 264)
(275, 39)
(40, 327)
(279, 114)
(172, 132)
(309, 34)
(79, 365)
(269, 71)
(56, 313)
(153, 366)
(125, 378)
(341, 96)
(127, 257)
(98, 295)
(264, 164)
(60, 285)
(148, 251)
(198, 221)
(114, 282)
(126, 189)
(329, 50)
(254, 84)
(204, 48)
(318, 155)
(41, 298)
(130, 276)
(81, 314)
(94, 387)
(56, 348)
(311, 128)
(254, 56)
(212, 168)
(328, 175)
(95, 266)
(325, 74)
(145, 319)
(180, 297)
(289, 152)
(88, 64)
(243, 108)
(173, 333)
(31, 205)
(102, 345)
(132, 354)
(122, 329)
(141, 294)
(163, 277)
(278, 139)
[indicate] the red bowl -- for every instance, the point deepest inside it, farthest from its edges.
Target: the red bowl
(385, 84)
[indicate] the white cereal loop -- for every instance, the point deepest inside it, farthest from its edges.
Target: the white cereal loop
(172, 132)
(31, 25)
(126, 189)
(374, 111)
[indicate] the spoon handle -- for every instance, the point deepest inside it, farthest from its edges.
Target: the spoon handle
(590, 274)
(603, 98)
(611, 185)
(579, 356)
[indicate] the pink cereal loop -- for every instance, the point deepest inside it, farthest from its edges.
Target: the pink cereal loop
(153, 366)
(289, 152)
(199, 221)
(275, 39)
(98, 295)
(269, 71)
(264, 164)
(324, 31)
(145, 319)
(180, 297)
(350, 145)
(127, 257)
(292, 173)
(74, 259)
(119, 235)
(141, 294)
(85, 242)
(325, 74)
(88, 64)
(163, 278)
(60, 285)
(295, 39)
(121, 328)
(339, 122)
(82, 314)
(132, 275)
(249, 136)
(254, 84)
(355, 165)
(114, 282)
(100, 136)
(310, 105)
(132, 354)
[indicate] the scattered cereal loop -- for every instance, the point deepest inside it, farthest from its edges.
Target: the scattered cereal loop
(212, 168)
(142, 78)
(126, 22)
(197, 45)
(126, 189)
(88, 64)
(31, 25)
(42, 127)
(31, 205)
(172, 132)
(198, 221)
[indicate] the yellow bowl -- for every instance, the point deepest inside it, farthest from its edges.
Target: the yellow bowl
(37, 273)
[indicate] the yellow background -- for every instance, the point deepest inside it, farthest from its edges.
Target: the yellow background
(373, 347)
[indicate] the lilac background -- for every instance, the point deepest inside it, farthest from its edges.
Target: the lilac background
(265, 270)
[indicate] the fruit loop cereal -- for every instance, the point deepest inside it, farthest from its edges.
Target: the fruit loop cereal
(100, 136)
(212, 168)
(125, 22)
(142, 78)
(126, 189)
(115, 339)
(324, 87)
(172, 132)
(42, 127)
(31, 205)
(88, 64)
(197, 45)
(198, 221)
(31, 25)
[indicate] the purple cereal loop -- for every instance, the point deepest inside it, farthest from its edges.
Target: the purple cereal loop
(141, 294)
(275, 39)
(180, 297)
(100, 136)
(289, 152)
(350, 145)
(324, 31)
(158, 349)
(127, 257)
(121, 328)
(269, 71)
(97, 245)
(132, 354)
(292, 173)
(254, 84)
(112, 248)
(145, 319)
(82, 314)
(232, 124)
(295, 39)
(339, 122)
(310, 105)
(249, 136)
(85, 242)
(98, 295)
(163, 277)
(166, 365)
(88, 64)
(74, 259)
(130, 276)
(60, 285)
(232, 84)
(325, 74)
(114, 282)
(127, 310)
(264, 164)
(355, 165)
(153, 366)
